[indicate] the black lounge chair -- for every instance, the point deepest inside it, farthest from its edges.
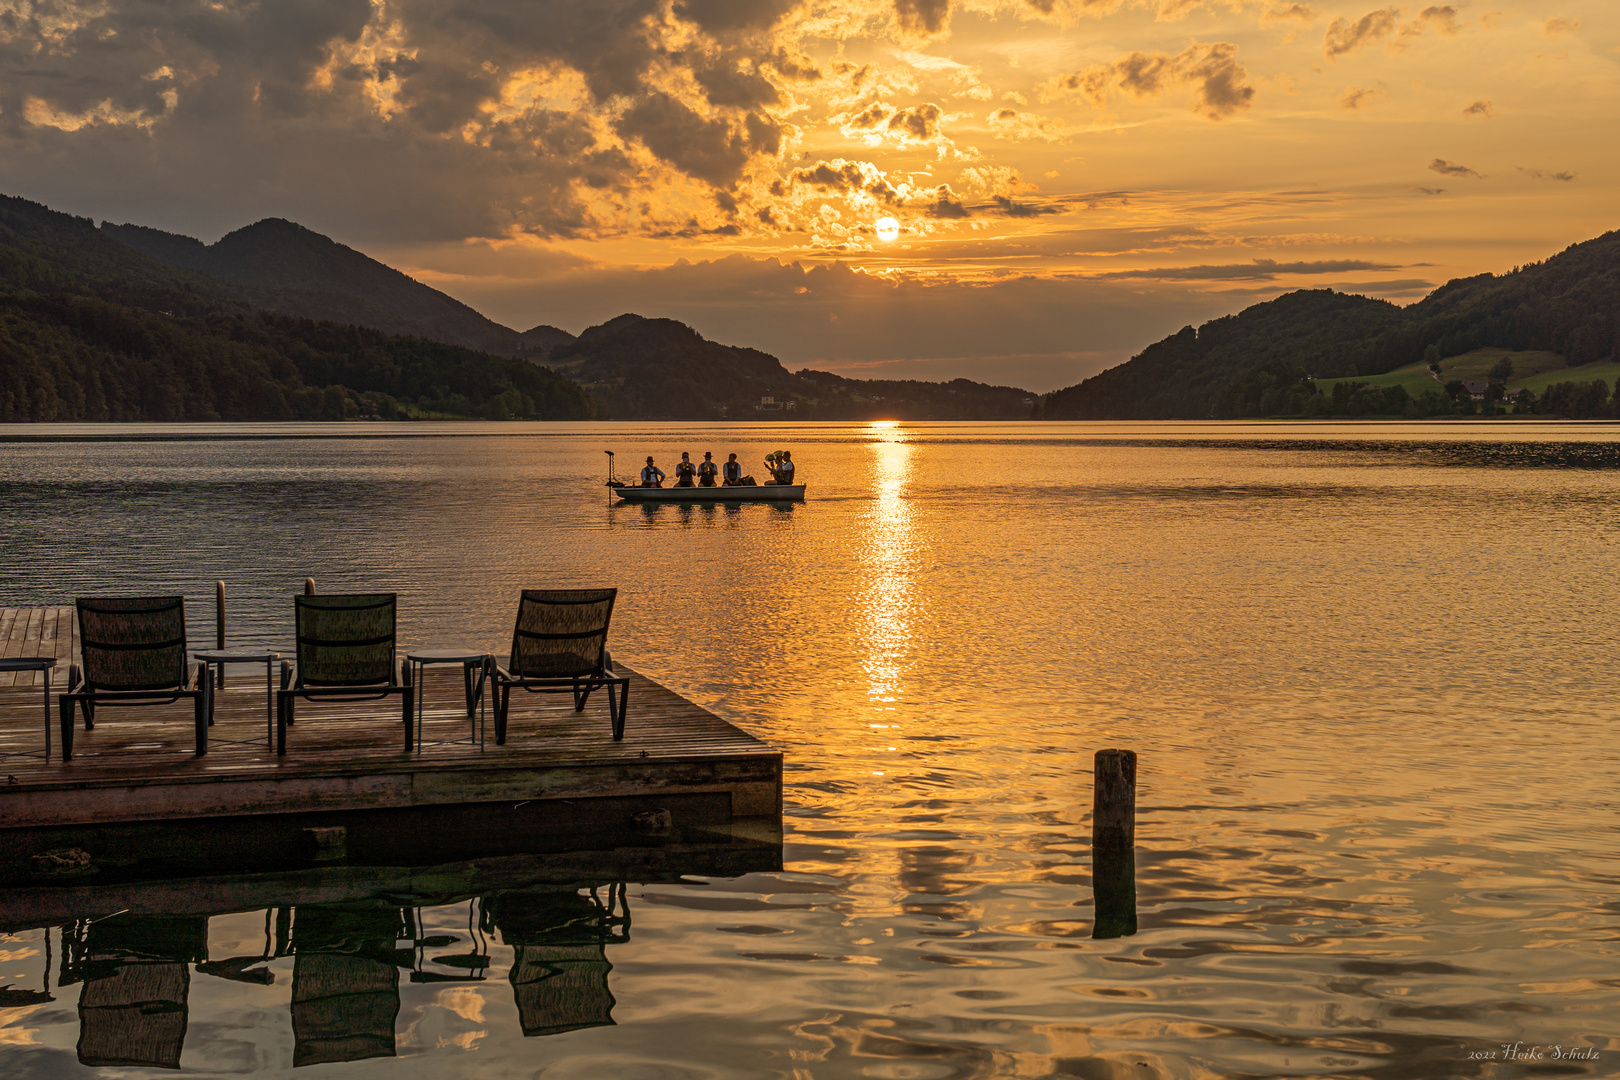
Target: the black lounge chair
(559, 645)
(346, 653)
(134, 651)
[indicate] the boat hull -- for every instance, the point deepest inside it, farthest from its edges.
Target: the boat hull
(760, 493)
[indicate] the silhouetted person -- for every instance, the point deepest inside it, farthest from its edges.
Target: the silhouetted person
(652, 475)
(731, 472)
(685, 471)
(707, 470)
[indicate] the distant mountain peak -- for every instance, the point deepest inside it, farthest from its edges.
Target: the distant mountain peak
(302, 272)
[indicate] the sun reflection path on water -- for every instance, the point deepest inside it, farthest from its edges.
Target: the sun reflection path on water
(889, 561)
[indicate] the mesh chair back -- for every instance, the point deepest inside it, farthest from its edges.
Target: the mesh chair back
(561, 633)
(345, 640)
(133, 643)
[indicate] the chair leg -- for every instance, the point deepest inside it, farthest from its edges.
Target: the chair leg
(503, 700)
(200, 711)
(467, 682)
(618, 714)
(64, 708)
(410, 700)
(89, 708)
(582, 693)
(284, 708)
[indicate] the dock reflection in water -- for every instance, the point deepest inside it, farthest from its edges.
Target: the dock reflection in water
(330, 955)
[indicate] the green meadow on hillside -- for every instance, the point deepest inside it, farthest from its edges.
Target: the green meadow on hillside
(1414, 377)
(1607, 370)
(1534, 369)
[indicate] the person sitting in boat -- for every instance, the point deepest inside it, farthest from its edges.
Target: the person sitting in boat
(781, 466)
(707, 470)
(685, 471)
(652, 475)
(731, 474)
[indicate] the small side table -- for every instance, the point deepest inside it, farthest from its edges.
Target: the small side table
(470, 660)
(34, 663)
(212, 658)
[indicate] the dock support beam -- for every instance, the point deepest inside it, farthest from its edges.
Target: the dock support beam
(1113, 844)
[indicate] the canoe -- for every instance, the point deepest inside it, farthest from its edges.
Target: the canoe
(759, 493)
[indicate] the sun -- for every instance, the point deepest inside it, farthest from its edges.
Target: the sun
(887, 229)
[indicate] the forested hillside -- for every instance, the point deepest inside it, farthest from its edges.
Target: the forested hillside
(1261, 362)
(287, 268)
(91, 329)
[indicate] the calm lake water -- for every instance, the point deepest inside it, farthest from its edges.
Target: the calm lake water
(1370, 671)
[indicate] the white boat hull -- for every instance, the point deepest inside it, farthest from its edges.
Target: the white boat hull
(758, 493)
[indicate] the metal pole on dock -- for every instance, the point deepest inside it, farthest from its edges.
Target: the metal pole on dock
(219, 625)
(1113, 844)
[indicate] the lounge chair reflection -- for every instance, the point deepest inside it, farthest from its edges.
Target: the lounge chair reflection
(133, 1007)
(559, 964)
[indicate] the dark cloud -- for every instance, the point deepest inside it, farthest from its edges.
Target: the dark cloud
(1258, 270)
(729, 16)
(1354, 97)
(921, 122)
(1480, 108)
(1024, 210)
(1432, 190)
(922, 16)
(846, 177)
(1344, 36)
(1220, 84)
(946, 206)
(726, 86)
(414, 119)
(707, 149)
(1451, 168)
(1443, 17)
(1283, 11)
(1538, 174)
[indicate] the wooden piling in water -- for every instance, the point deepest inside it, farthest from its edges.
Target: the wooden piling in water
(1113, 844)
(309, 586)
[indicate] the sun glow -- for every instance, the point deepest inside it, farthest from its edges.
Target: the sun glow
(888, 229)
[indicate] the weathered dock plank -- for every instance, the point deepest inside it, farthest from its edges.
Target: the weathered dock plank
(138, 763)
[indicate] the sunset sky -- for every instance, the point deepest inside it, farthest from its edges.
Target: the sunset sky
(1070, 180)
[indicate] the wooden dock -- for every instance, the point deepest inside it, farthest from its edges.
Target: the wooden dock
(138, 764)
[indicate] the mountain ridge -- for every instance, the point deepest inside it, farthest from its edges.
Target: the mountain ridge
(129, 323)
(1261, 360)
(303, 273)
